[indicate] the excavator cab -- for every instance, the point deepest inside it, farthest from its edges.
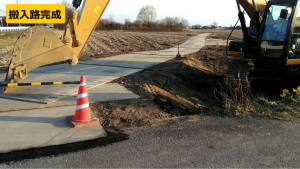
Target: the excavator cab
(276, 47)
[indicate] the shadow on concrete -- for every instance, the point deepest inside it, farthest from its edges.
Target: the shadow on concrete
(138, 64)
(21, 100)
(113, 136)
(54, 121)
(94, 95)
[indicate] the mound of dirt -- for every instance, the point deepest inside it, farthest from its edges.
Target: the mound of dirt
(169, 89)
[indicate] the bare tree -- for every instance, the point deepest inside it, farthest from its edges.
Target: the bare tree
(185, 23)
(17, 2)
(214, 24)
(127, 23)
(171, 21)
(68, 8)
(147, 15)
(111, 18)
(176, 20)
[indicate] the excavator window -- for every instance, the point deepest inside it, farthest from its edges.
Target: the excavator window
(275, 30)
(295, 41)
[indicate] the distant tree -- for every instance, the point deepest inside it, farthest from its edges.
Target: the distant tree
(176, 20)
(214, 24)
(175, 23)
(127, 23)
(184, 22)
(147, 15)
(238, 27)
(168, 21)
(68, 8)
(111, 18)
(138, 24)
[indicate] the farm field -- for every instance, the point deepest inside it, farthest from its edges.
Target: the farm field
(111, 43)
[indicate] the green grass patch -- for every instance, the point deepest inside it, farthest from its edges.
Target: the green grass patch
(8, 39)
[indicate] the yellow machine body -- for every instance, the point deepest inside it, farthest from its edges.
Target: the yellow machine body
(40, 46)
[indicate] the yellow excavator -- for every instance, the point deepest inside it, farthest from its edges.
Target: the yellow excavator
(272, 42)
(40, 45)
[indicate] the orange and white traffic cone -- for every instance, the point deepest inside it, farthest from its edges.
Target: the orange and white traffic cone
(82, 114)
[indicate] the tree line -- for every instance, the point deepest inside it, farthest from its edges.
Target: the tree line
(146, 20)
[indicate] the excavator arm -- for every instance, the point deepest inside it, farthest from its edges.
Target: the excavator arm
(39, 45)
(250, 9)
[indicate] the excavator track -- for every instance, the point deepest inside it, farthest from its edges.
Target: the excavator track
(237, 72)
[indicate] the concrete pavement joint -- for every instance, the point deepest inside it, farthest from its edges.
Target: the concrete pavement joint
(57, 135)
(111, 66)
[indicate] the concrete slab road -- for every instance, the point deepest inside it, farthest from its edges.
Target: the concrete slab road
(35, 128)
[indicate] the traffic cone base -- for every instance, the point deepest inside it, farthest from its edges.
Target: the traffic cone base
(74, 124)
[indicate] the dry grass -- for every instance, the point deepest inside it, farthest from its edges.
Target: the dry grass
(9, 39)
(238, 101)
(233, 95)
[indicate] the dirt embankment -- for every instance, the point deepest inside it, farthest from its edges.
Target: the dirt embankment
(169, 89)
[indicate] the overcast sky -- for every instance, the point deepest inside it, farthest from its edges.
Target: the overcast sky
(203, 12)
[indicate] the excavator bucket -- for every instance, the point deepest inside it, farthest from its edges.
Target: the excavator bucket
(39, 45)
(36, 47)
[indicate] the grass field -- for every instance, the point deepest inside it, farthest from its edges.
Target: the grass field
(8, 39)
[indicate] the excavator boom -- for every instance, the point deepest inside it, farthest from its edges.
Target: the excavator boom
(39, 45)
(249, 9)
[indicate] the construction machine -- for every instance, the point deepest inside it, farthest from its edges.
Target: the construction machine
(39, 45)
(272, 42)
